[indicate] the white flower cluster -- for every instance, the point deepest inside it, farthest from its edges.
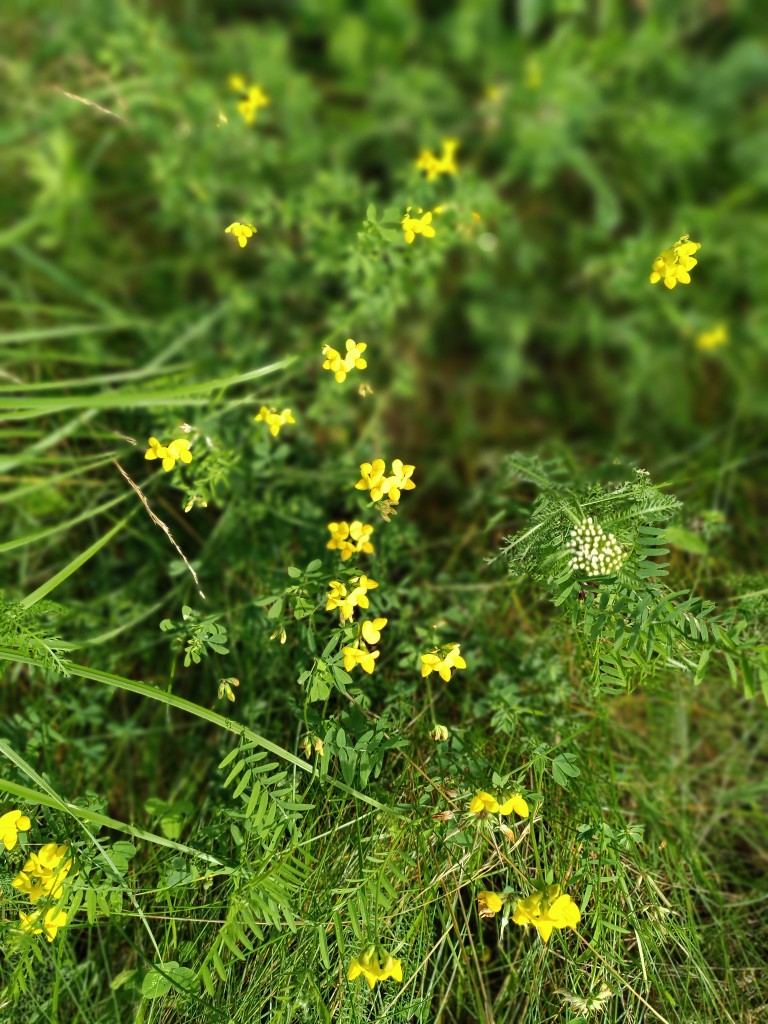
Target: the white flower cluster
(593, 551)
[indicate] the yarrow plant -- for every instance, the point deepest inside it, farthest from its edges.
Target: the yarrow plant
(433, 166)
(350, 538)
(672, 266)
(593, 551)
(275, 420)
(170, 454)
(340, 365)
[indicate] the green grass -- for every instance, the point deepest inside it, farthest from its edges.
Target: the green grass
(228, 865)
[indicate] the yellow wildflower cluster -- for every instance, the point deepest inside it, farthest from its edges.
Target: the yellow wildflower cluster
(346, 600)
(242, 232)
(546, 910)
(370, 632)
(373, 479)
(176, 451)
(44, 872)
(420, 225)
(442, 663)
(340, 365)
(674, 264)
(709, 340)
(11, 823)
(485, 803)
(350, 538)
(252, 98)
(433, 166)
(42, 877)
(274, 419)
(368, 965)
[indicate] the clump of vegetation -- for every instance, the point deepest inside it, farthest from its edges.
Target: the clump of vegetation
(320, 704)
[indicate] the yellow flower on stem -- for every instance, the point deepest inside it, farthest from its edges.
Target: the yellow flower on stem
(483, 802)
(373, 479)
(709, 340)
(433, 166)
(50, 924)
(340, 365)
(443, 664)
(673, 265)
(421, 225)
(515, 803)
(370, 630)
(359, 656)
(275, 420)
(546, 910)
(252, 98)
(368, 965)
(11, 823)
(170, 454)
(44, 872)
(489, 903)
(242, 232)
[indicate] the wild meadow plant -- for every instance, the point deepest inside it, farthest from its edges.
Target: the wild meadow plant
(489, 752)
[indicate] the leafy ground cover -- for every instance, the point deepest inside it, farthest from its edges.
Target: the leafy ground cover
(383, 601)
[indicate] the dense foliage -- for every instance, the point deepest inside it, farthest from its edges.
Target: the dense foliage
(280, 719)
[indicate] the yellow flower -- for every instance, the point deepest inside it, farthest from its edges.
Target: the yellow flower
(489, 903)
(368, 965)
(359, 656)
(515, 803)
(673, 265)
(340, 365)
(361, 535)
(242, 232)
(434, 661)
(433, 166)
(483, 802)
(716, 336)
(252, 98)
(370, 630)
(379, 485)
(372, 478)
(51, 922)
(413, 226)
(170, 454)
(44, 872)
(274, 419)
(11, 823)
(440, 733)
(546, 910)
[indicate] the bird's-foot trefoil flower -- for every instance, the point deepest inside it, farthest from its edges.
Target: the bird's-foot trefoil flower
(170, 454)
(673, 265)
(433, 166)
(546, 910)
(373, 478)
(489, 903)
(442, 660)
(11, 823)
(275, 420)
(38, 923)
(374, 964)
(350, 538)
(484, 803)
(252, 98)
(419, 225)
(340, 365)
(242, 232)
